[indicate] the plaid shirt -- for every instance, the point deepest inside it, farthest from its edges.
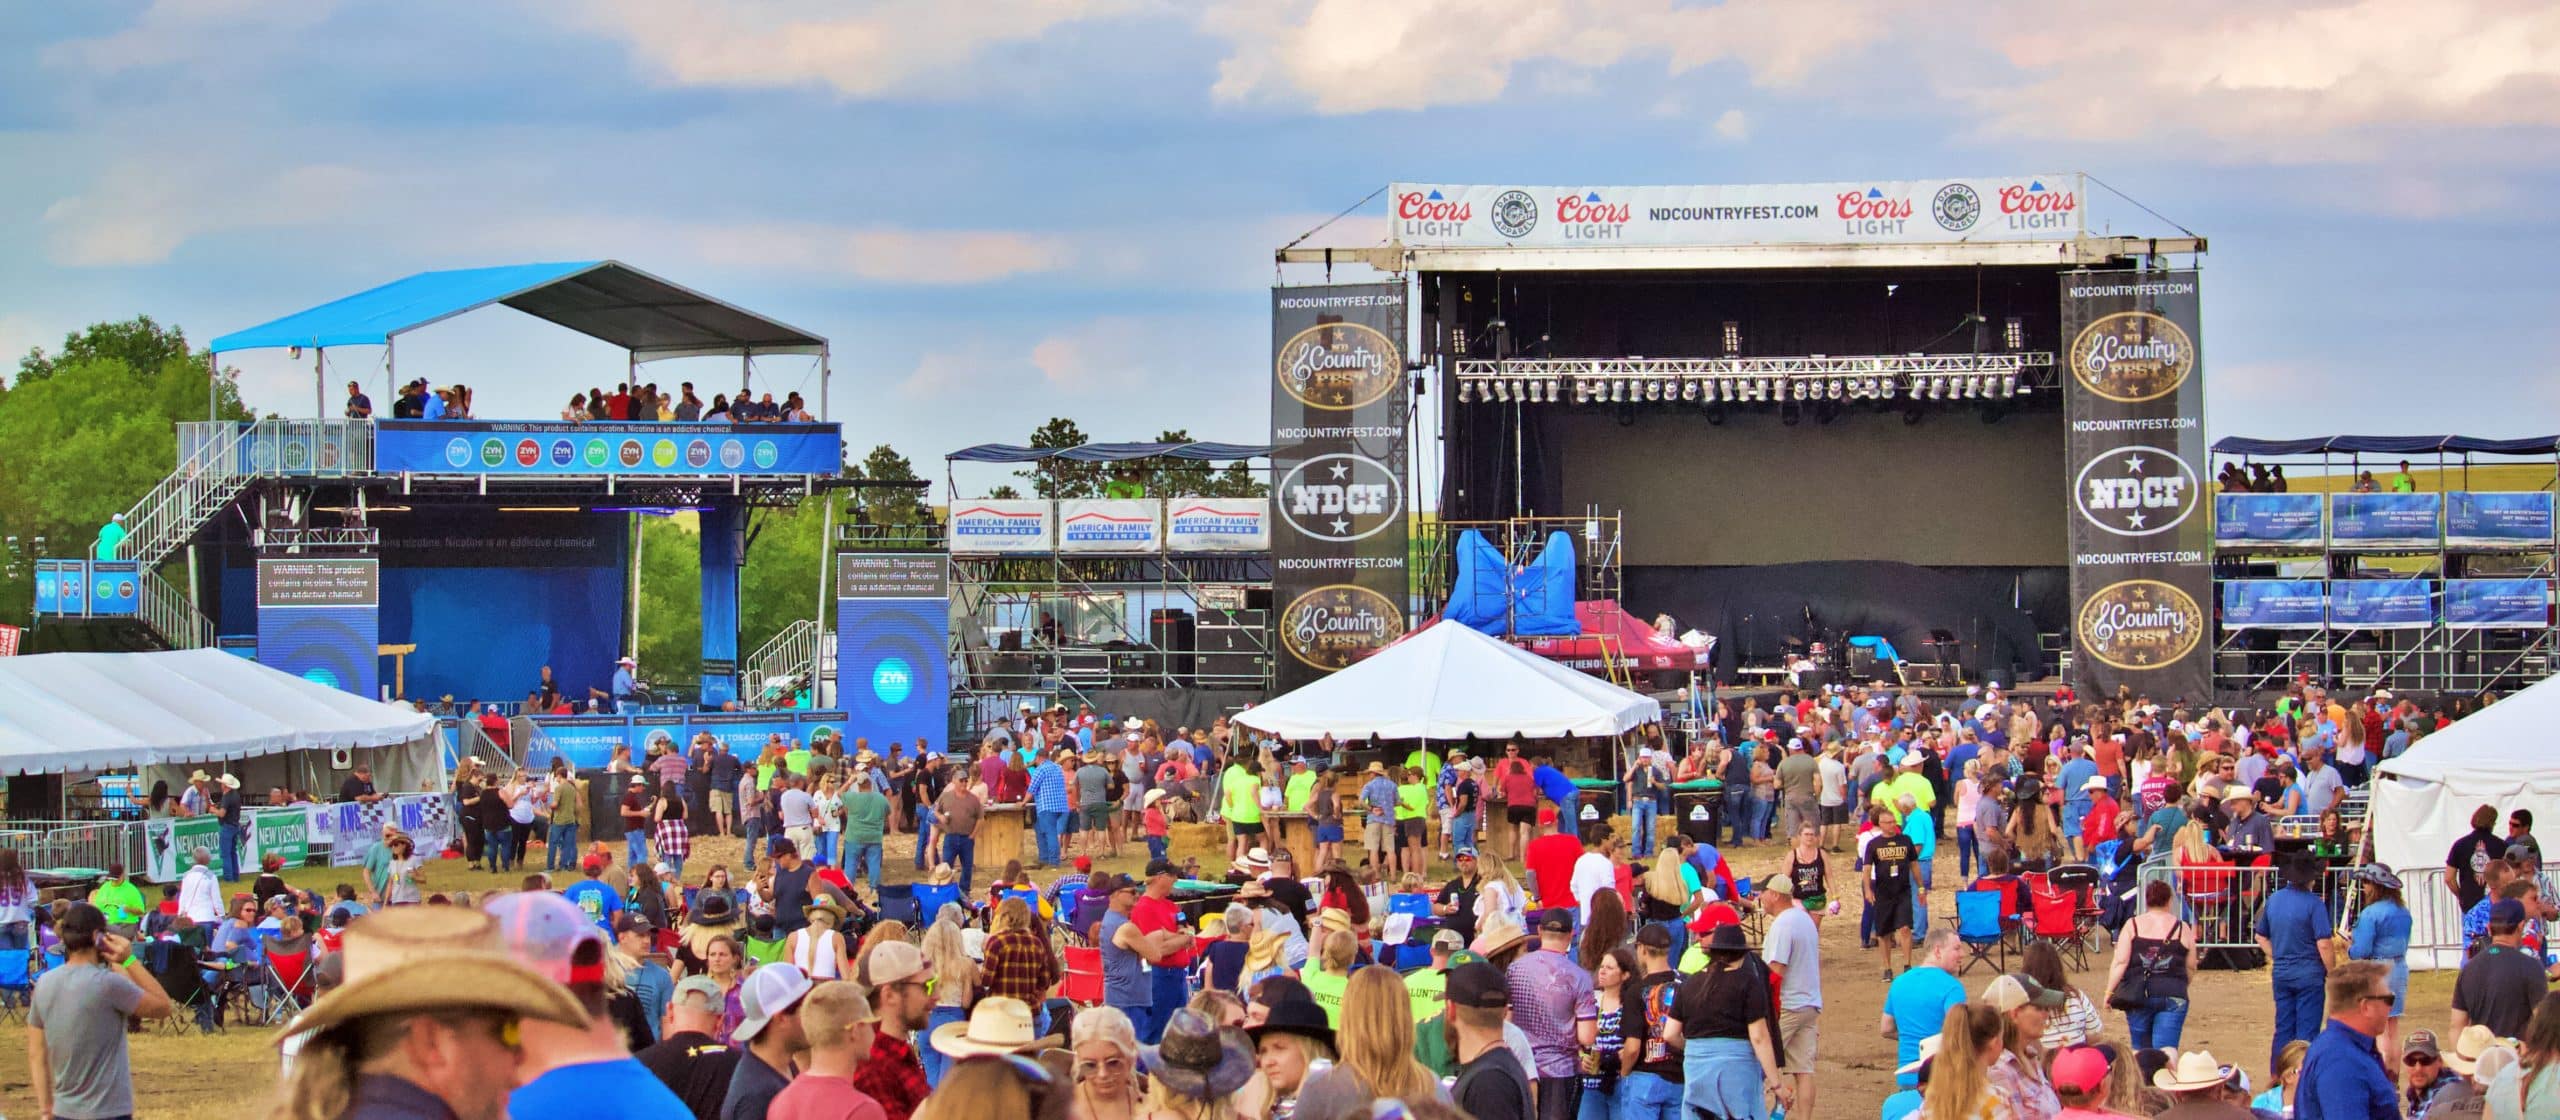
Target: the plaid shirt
(1020, 966)
(893, 1076)
(674, 840)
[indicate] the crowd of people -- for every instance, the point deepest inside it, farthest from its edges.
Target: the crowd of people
(419, 401)
(1561, 970)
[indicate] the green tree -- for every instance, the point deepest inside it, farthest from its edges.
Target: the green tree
(1062, 478)
(1239, 481)
(780, 585)
(1171, 478)
(1003, 492)
(671, 597)
(141, 344)
(891, 505)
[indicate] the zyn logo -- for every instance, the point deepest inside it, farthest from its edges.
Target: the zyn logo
(563, 453)
(597, 453)
(528, 452)
(732, 454)
(767, 454)
(457, 452)
(631, 453)
(2136, 491)
(492, 452)
(697, 454)
(663, 453)
(1340, 497)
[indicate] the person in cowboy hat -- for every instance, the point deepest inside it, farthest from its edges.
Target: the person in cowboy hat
(624, 685)
(2199, 1088)
(1197, 1063)
(427, 1023)
(997, 1025)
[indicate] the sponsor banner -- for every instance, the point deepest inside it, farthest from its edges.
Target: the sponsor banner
(2267, 520)
(2273, 604)
(1340, 446)
(2382, 604)
(115, 588)
(2141, 576)
(320, 619)
(169, 845)
(588, 741)
(350, 828)
(1110, 525)
(2485, 519)
(9, 636)
(2475, 604)
(286, 834)
(893, 642)
(1217, 525)
(604, 447)
(1002, 525)
(893, 575)
(745, 733)
(2384, 520)
(1906, 212)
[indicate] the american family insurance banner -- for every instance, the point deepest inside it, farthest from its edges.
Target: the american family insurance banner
(1340, 446)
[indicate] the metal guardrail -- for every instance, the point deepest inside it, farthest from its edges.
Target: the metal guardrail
(2223, 903)
(795, 652)
(56, 843)
(167, 612)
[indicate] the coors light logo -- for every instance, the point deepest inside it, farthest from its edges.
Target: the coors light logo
(2140, 624)
(1338, 366)
(2133, 356)
(1334, 625)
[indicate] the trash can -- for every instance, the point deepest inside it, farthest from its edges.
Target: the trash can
(1593, 809)
(1700, 813)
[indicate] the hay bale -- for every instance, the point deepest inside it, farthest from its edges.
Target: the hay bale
(1203, 840)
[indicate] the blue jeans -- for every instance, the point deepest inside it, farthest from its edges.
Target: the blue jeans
(935, 1064)
(1919, 910)
(826, 845)
(2157, 1024)
(560, 852)
(755, 839)
(1155, 848)
(1462, 832)
(1737, 813)
(2299, 1012)
(1172, 991)
(1598, 1104)
(859, 856)
(924, 836)
(963, 851)
(230, 852)
(636, 846)
(1966, 851)
(1048, 826)
(1646, 1096)
(1642, 846)
(674, 864)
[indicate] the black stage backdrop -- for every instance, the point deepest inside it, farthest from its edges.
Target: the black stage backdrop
(2141, 534)
(1753, 610)
(1339, 436)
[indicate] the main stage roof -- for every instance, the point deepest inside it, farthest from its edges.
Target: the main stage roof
(2387, 445)
(650, 317)
(1202, 451)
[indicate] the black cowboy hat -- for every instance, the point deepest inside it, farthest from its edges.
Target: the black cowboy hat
(1299, 1016)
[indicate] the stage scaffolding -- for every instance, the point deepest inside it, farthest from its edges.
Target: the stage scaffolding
(2435, 657)
(1071, 625)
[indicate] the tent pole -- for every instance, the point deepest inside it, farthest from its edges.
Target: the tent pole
(319, 383)
(826, 373)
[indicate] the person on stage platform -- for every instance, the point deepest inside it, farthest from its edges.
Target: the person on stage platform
(624, 686)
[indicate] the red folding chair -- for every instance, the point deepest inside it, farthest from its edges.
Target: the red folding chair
(1082, 984)
(2053, 917)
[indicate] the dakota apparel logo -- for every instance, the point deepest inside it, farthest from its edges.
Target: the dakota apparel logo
(1956, 208)
(1339, 366)
(2133, 356)
(2140, 624)
(1332, 626)
(2136, 491)
(1514, 213)
(1340, 497)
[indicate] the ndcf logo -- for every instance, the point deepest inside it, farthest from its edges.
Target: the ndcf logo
(1340, 497)
(1332, 626)
(2140, 624)
(2133, 356)
(2136, 491)
(1338, 366)
(1956, 208)
(1514, 214)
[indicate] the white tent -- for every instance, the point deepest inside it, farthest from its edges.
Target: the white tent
(2423, 800)
(64, 713)
(1448, 682)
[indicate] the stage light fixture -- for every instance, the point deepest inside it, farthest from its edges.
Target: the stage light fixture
(1617, 391)
(1839, 387)
(1688, 390)
(1653, 390)
(2014, 332)
(1466, 392)
(1521, 389)
(1502, 391)
(2008, 385)
(1937, 389)
(1732, 338)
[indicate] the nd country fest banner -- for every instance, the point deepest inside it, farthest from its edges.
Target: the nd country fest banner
(2384, 520)
(2477, 519)
(1339, 452)
(2141, 574)
(1911, 212)
(604, 447)
(2267, 520)
(2274, 604)
(2480, 604)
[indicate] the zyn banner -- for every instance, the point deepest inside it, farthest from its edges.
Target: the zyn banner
(2273, 604)
(1338, 430)
(604, 447)
(893, 643)
(2267, 520)
(321, 620)
(2141, 579)
(2482, 604)
(2477, 519)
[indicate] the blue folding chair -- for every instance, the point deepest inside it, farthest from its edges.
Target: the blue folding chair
(898, 903)
(1029, 898)
(17, 984)
(1418, 905)
(932, 897)
(1979, 927)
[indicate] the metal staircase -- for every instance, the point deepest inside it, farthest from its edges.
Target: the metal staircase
(795, 651)
(203, 485)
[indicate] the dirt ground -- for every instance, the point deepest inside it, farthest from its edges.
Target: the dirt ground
(230, 1075)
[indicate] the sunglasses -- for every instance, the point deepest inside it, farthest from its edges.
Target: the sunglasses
(2418, 1060)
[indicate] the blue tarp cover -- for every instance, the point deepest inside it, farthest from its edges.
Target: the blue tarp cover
(650, 317)
(2387, 445)
(1110, 452)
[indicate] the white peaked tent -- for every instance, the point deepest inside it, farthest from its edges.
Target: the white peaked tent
(2502, 756)
(1447, 682)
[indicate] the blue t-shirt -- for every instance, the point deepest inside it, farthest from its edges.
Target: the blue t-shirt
(620, 1088)
(2075, 774)
(1899, 1105)
(655, 988)
(1555, 786)
(2294, 923)
(1919, 1001)
(596, 900)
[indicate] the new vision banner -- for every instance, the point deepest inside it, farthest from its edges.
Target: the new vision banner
(1339, 437)
(2141, 532)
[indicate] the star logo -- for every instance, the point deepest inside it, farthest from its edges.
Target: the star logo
(2133, 464)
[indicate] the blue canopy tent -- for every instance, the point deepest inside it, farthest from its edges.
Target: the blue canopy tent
(647, 316)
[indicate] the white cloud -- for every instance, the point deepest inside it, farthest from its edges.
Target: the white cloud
(1733, 125)
(138, 214)
(174, 31)
(882, 47)
(1113, 352)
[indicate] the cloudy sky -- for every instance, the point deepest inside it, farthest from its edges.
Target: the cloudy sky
(1005, 210)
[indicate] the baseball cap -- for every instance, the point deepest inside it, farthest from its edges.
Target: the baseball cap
(1478, 984)
(1162, 867)
(2421, 1042)
(2012, 991)
(1084, 864)
(1780, 884)
(771, 990)
(1556, 921)
(632, 922)
(892, 961)
(549, 934)
(2507, 912)
(1448, 939)
(704, 986)
(2081, 1069)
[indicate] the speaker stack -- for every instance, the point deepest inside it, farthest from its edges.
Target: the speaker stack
(1231, 646)
(1172, 631)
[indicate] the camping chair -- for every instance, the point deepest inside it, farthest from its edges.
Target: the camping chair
(898, 904)
(2082, 882)
(1416, 904)
(1070, 897)
(288, 982)
(17, 984)
(1082, 984)
(2054, 918)
(1029, 898)
(932, 897)
(180, 974)
(1983, 929)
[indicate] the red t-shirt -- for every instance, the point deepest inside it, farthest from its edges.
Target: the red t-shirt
(2099, 825)
(1551, 858)
(1159, 915)
(2108, 753)
(618, 407)
(1519, 786)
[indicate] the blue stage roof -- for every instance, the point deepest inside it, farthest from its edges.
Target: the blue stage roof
(650, 317)
(2387, 445)
(1110, 452)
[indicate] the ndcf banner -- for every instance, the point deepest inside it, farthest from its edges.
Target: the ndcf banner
(1339, 451)
(2141, 575)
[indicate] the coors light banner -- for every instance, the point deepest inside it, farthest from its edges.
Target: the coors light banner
(1338, 435)
(2141, 518)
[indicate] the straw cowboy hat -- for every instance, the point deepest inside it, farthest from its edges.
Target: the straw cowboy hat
(2194, 1070)
(1499, 936)
(1265, 950)
(2475, 1040)
(1334, 918)
(433, 958)
(943, 876)
(1928, 1050)
(998, 1025)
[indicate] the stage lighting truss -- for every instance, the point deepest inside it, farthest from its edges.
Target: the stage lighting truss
(1717, 381)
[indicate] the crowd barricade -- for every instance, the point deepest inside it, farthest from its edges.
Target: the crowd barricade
(2223, 903)
(45, 844)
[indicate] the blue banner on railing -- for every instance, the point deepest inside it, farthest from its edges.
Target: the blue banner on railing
(2384, 520)
(2267, 520)
(588, 741)
(2498, 519)
(605, 447)
(53, 577)
(2272, 604)
(2382, 604)
(115, 588)
(2477, 604)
